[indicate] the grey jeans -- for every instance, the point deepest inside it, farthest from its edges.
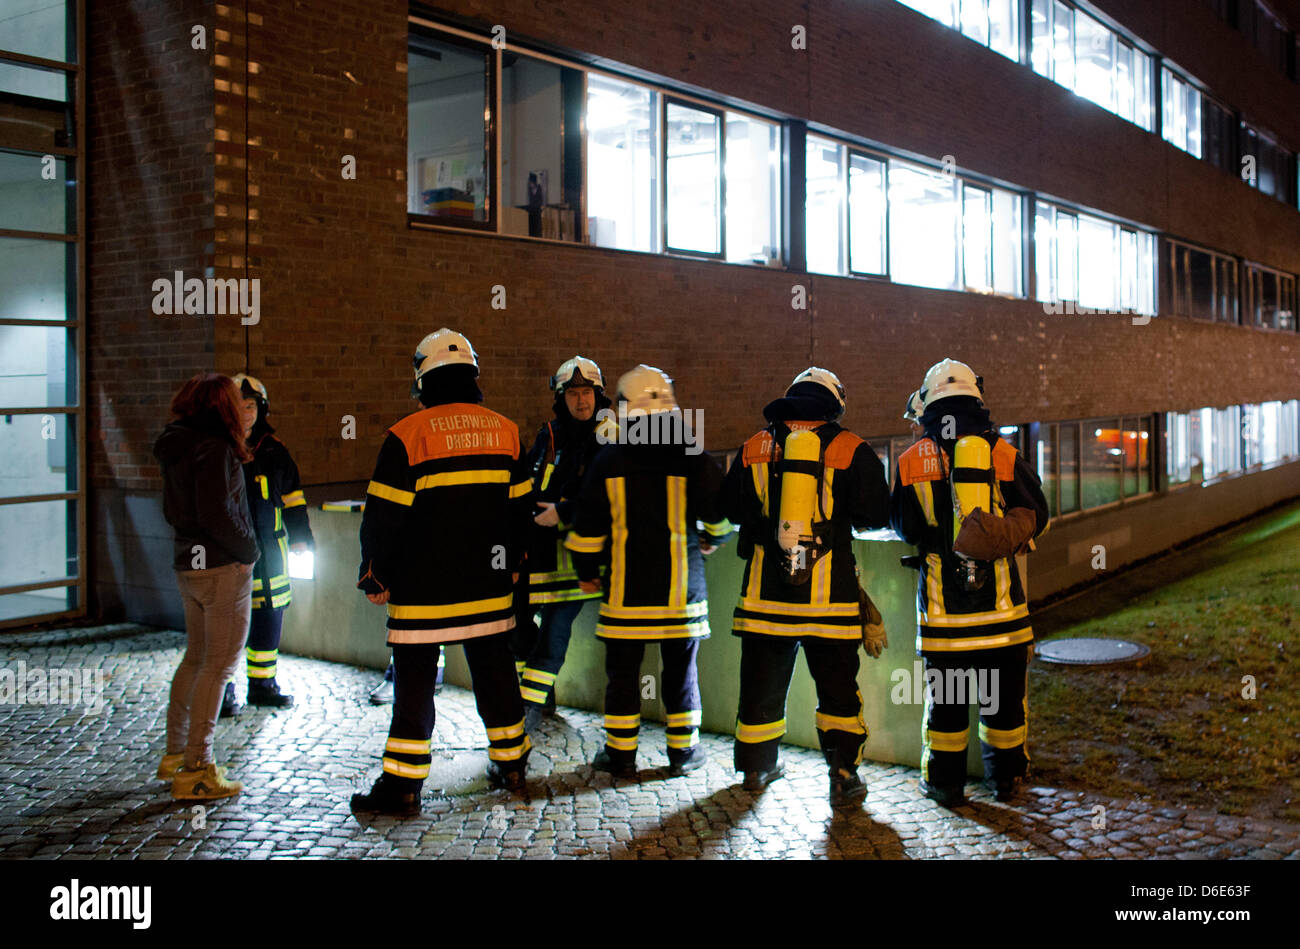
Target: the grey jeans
(217, 606)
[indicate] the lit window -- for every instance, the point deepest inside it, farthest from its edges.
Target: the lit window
(867, 204)
(824, 206)
(924, 217)
(622, 164)
(1102, 462)
(540, 190)
(753, 190)
(991, 23)
(447, 115)
(977, 233)
(1094, 61)
(694, 177)
(1100, 264)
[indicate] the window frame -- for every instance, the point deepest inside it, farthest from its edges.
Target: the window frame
(664, 100)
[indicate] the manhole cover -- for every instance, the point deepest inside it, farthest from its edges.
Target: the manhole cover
(1091, 652)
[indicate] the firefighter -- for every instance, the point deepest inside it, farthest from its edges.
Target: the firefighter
(648, 504)
(279, 512)
(562, 452)
(443, 536)
(797, 489)
(969, 502)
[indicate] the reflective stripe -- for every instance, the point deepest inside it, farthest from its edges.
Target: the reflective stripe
(719, 528)
(678, 568)
(933, 590)
(957, 620)
(689, 740)
(404, 770)
(926, 495)
(538, 675)
(947, 741)
(262, 484)
(261, 672)
(520, 489)
(506, 731)
(756, 605)
(759, 472)
(585, 545)
(754, 734)
(513, 753)
(397, 496)
(826, 723)
(828, 495)
(409, 746)
(546, 477)
(623, 721)
(1003, 737)
(293, 499)
(261, 655)
(451, 609)
(821, 580)
(619, 743)
(745, 624)
(533, 695)
(616, 488)
(449, 478)
(689, 611)
(1002, 576)
(691, 718)
(964, 643)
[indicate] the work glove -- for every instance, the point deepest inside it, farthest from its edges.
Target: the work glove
(874, 639)
(983, 536)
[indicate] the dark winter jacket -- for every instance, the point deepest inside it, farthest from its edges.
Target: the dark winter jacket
(203, 496)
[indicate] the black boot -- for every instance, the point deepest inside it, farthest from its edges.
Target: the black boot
(230, 707)
(512, 780)
(620, 768)
(846, 788)
(389, 796)
(686, 760)
(757, 780)
(944, 795)
(266, 692)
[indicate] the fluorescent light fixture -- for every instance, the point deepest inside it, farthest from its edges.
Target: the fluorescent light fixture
(302, 565)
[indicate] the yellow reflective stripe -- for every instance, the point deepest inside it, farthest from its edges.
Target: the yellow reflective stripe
(753, 734)
(926, 495)
(1002, 576)
(718, 528)
(261, 672)
(947, 741)
(684, 741)
(1003, 737)
(546, 477)
(513, 753)
(759, 473)
(280, 579)
(933, 589)
(447, 479)
(978, 619)
(966, 643)
(409, 746)
(520, 489)
(262, 484)
(397, 496)
(820, 583)
(690, 718)
(828, 497)
(753, 593)
(826, 723)
(689, 611)
(585, 545)
(280, 599)
(616, 488)
(293, 499)
(532, 695)
(845, 610)
(262, 655)
(623, 721)
(747, 624)
(678, 569)
(506, 731)
(279, 521)
(618, 743)
(451, 609)
(404, 770)
(537, 675)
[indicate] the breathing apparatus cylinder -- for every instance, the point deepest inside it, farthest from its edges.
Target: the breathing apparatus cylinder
(972, 490)
(794, 532)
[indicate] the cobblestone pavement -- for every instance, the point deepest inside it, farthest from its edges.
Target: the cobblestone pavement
(81, 785)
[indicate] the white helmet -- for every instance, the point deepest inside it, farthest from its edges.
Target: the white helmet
(647, 390)
(249, 385)
(827, 380)
(948, 378)
(443, 348)
(915, 407)
(578, 371)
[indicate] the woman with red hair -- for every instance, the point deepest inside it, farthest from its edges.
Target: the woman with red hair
(201, 454)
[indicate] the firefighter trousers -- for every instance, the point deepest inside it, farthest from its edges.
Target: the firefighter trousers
(537, 681)
(679, 687)
(996, 679)
(766, 664)
(408, 753)
(262, 653)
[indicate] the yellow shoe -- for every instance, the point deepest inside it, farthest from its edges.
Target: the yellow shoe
(203, 784)
(170, 765)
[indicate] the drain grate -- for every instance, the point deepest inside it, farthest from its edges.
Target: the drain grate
(1090, 651)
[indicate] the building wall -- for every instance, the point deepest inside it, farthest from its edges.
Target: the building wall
(348, 288)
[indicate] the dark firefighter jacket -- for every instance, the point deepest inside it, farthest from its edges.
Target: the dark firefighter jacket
(950, 618)
(853, 494)
(446, 524)
(647, 507)
(279, 512)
